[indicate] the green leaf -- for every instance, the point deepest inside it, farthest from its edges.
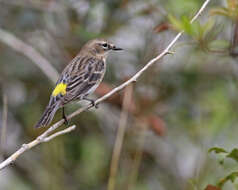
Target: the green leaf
(207, 27)
(185, 25)
(219, 44)
(233, 154)
(230, 12)
(217, 150)
(232, 177)
(176, 23)
(221, 162)
(220, 11)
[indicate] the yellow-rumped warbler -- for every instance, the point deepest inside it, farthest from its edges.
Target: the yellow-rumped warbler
(79, 79)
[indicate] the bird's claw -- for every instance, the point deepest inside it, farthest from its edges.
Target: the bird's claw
(66, 122)
(92, 102)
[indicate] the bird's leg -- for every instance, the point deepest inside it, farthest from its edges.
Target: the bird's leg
(92, 101)
(66, 122)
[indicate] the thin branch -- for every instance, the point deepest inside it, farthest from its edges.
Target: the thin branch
(28, 146)
(120, 137)
(4, 122)
(117, 89)
(27, 50)
(62, 132)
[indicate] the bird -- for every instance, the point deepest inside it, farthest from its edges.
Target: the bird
(79, 78)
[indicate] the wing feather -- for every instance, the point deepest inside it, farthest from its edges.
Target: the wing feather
(81, 75)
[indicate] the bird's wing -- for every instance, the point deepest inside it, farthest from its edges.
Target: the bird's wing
(82, 74)
(82, 80)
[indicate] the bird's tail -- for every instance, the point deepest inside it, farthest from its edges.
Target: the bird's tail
(48, 115)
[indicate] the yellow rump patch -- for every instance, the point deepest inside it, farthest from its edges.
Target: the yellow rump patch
(60, 89)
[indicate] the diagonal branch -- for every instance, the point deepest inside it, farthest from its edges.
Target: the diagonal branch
(40, 138)
(62, 132)
(28, 146)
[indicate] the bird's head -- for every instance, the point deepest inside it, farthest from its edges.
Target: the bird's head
(99, 47)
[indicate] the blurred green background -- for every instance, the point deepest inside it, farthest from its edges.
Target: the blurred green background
(182, 106)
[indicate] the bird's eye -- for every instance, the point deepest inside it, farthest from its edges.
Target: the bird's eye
(105, 45)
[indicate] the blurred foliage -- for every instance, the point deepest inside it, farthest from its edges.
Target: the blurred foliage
(187, 103)
(231, 11)
(233, 154)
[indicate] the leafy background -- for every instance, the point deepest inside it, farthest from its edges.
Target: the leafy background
(183, 106)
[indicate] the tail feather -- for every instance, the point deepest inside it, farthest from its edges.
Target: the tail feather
(48, 115)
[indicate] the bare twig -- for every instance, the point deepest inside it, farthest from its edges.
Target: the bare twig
(27, 50)
(67, 130)
(122, 86)
(119, 138)
(4, 122)
(28, 146)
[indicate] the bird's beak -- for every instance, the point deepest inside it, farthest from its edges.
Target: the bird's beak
(116, 48)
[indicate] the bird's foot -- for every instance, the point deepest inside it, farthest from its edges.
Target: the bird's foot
(92, 102)
(66, 121)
